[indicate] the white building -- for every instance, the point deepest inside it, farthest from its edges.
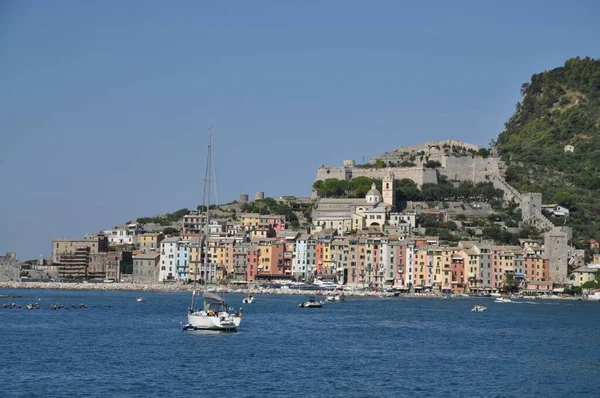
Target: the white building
(167, 263)
(124, 235)
(397, 219)
(215, 227)
(300, 260)
(410, 266)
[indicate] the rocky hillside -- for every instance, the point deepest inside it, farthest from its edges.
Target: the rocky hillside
(552, 142)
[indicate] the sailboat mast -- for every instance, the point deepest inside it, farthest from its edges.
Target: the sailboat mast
(206, 203)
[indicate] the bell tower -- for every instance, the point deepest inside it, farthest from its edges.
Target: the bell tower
(388, 190)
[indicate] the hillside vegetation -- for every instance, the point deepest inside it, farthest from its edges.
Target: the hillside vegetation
(559, 107)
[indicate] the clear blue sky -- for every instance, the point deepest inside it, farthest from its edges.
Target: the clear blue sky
(105, 105)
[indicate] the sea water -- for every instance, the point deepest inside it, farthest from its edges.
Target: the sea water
(363, 347)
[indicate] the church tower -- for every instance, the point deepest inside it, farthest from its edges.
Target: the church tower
(389, 189)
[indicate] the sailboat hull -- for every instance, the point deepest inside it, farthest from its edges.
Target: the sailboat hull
(223, 321)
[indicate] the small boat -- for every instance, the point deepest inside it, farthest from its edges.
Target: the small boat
(249, 299)
(140, 299)
(311, 303)
(594, 296)
(478, 308)
(503, 300)
(336, 298)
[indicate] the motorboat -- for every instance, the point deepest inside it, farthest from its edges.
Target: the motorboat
(594, 297)
(320, 285)
(140, 299)
(213, 315)
(311, 303)
(336, 298)
(478, 308)
(503, 300)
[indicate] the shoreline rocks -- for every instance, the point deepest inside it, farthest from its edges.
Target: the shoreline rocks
(179, 287)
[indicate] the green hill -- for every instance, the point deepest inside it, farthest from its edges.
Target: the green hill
(560, 108)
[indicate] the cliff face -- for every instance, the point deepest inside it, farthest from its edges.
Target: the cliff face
(552, 143)
(555, 130)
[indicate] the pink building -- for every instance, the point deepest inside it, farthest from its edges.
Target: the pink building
(458, 274)
(252, 263)
(277, 222)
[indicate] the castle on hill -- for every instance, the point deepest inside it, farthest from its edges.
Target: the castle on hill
(455, 159)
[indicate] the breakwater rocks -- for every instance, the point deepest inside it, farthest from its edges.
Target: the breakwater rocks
(180, 287)
(163, 287)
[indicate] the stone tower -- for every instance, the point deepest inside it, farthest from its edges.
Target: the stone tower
(531, 205)
(556, 247)
(388, 189)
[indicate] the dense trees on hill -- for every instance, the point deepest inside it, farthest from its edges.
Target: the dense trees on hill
(165, 219)
(407, 190)
(559, 107)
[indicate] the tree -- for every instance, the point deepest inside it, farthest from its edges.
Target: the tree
(510, 283)
(171, 231)
(563, 198)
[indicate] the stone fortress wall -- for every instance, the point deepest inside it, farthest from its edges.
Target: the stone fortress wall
(459, 165)
(419, 175)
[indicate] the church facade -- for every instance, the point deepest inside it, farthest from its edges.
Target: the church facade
(345, 215)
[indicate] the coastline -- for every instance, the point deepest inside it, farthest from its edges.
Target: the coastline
(138, 287)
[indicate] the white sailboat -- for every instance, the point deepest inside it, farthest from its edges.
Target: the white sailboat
(213, 314)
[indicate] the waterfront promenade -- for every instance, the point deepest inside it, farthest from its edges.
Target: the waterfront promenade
(179, 287)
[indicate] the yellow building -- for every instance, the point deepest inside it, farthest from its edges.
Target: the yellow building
(250, 219)
(441, 262)
(328, 262)
(472, 267)
(264, 257)
(260, 232)
(150, 241)
(195, 260)
(220, 252)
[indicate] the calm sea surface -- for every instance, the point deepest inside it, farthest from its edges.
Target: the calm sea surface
(364, 347)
